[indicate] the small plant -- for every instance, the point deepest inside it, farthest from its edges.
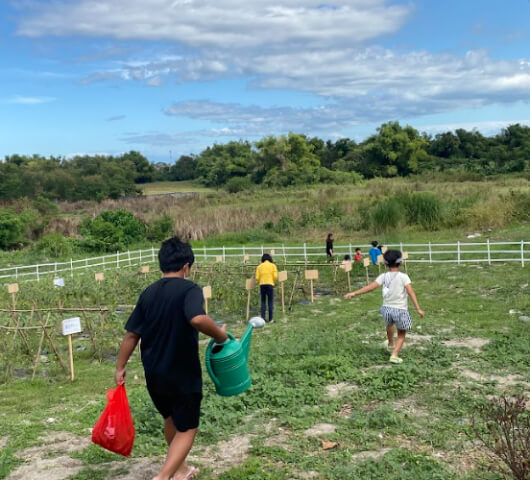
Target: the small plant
(503, 427)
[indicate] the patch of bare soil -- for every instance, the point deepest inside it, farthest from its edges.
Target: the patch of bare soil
(336, 390)
(51, 459)
(409, 406)
(276, 436)
(223, 455)
(346, 410)
(508, 380)
(465, 459)
(141, 469)
(474, 344)
(362, 456)
(320, 429)
(3, 441)
(415, 338)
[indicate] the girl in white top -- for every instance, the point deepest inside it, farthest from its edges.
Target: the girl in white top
(396, 290)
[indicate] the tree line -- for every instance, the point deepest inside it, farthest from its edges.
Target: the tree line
(273, 161)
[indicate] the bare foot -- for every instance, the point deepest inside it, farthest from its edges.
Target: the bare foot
(190, 474)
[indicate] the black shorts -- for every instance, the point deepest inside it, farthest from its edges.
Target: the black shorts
(183, 408)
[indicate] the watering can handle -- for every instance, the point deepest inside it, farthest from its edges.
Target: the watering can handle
(208, 363)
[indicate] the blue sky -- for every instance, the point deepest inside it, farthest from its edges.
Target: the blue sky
(161, 76)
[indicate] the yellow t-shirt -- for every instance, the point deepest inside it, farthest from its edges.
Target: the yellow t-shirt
(266, 273)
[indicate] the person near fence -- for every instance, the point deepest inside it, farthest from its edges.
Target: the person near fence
(329, 246)
(396, 288)
(358, 255)
(266, 275)
(374, 252)
(346, 261)
(167, 318)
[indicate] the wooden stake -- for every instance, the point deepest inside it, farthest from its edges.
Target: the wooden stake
(37, 357)
(282, 277)
(311, 275)
(249, 285)
(206, 293)
(405, 256)
(71, 354)
(366, 263)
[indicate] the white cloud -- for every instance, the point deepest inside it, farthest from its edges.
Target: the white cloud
(23, 100)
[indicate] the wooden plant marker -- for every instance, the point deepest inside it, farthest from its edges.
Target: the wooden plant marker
(380, 261)
(218, 259)
(366, 264)
(71, 326)
(282, 278)
(250, 283)
(99, 276)
(273, 252)
(246, 258)
(311, 275)
(145, 269)
(207, 294)
(405, 257)
(347, 269)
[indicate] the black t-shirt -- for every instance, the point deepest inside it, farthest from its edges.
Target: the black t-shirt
(329, 246)
(170, 350)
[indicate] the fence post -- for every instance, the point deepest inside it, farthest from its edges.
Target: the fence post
(71, 268)
(104, 264)
(152, 254)
(430, 253)
(117, 259)
(458, 252)
(37, 271)
(129, 257)
(351, 253)
(305, 253)
(205, 254)
(262, 251)
(224, 254)
(284, 257)
(489, 251)
(522, 253)
(140, 256)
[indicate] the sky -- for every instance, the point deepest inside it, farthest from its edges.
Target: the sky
(170, 77)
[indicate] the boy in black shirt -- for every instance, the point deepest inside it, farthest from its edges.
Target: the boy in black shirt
(167, 317)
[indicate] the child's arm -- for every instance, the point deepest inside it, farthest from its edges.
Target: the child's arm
(412, 296)
(128, 344)
(368, 288)
(204, 324)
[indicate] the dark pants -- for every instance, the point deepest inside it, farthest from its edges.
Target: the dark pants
(267, 291)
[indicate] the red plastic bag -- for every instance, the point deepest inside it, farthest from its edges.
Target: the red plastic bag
(114, 430)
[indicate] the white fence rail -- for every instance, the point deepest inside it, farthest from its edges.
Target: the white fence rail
(459, 253)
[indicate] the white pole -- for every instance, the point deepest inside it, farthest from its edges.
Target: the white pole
(140, 256)
(351, 254)
(522, 253)
(284, 257)
(37, 271)
(129, 256)
(205, 254)
(489, 252)
(16, 273)
(71, 268)
(458, 251)
(224, 254)
(305, 252)
(430, 253)
(153, 254)
(117, 259)
(262, 251)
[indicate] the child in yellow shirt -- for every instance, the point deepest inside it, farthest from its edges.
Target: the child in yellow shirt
(266, 275)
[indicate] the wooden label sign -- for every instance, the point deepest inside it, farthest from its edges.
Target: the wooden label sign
(384, 250)
(12, 288)
(347, 267)
(282, 276)
(273, 252)
(246, 257)
(218, 258)
(380, 260)
(250, 283)
(99, 277)
(145, 269)
(207, 291)
(311, 274)
(366, 262)
(71, 326)
(405, 255)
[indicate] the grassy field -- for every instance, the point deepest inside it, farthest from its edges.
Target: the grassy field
(319, 374)
(157, 188)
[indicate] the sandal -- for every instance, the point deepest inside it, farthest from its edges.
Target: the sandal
(396, 360)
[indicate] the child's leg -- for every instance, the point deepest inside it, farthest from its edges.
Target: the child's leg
(178, 450)
(399, 342)
(390, 334)
(271, 302)
(169, 433)
(263, 295)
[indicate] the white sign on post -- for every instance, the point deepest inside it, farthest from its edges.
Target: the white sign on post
(71, 326)
(58, 282)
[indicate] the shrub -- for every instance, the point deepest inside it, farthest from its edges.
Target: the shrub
(160, 228)
(112, 230)
(386, 215)
(11, 229)
(285, 224)
(54, 245)
(238, 184)
(422, 208)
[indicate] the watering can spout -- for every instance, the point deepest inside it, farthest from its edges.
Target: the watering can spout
(245, 340)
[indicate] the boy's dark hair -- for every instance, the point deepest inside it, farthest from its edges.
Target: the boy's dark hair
(357, 249)
(375, 243)
(266, 257)
(347, 257)
(393, 258)
(328, 238)
(174, 254)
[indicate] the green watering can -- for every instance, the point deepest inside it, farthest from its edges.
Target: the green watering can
(227, 364)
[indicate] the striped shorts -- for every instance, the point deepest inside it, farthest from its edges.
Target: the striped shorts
(396, 316)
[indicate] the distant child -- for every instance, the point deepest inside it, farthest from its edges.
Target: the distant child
(329, 246)
(167, 318)
(374, 252)
(358, 255)
(346, 261)
(396, 286)
(266, 275)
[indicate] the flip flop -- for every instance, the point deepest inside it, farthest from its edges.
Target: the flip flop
(390, 348)
(396, 360)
